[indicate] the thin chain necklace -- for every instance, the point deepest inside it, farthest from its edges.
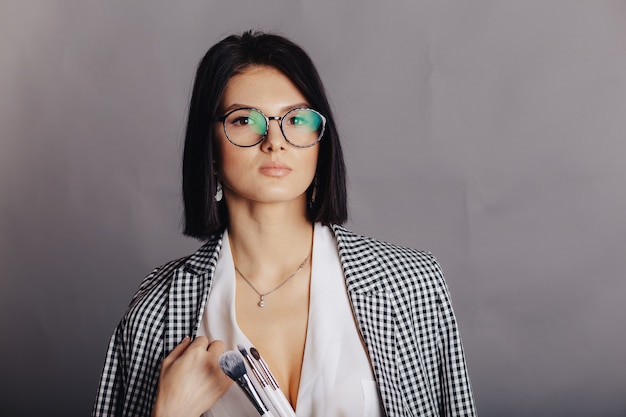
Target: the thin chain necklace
(261, 302)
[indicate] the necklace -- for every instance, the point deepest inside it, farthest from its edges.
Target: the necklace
(261, 302)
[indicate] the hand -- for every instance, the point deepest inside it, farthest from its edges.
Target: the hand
(191, 379)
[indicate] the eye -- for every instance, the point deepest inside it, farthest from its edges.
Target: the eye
(242, 121)
(247, 118)
(304, 119)
(296, 120)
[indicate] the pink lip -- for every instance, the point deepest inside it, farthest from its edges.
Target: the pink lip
(275, 169)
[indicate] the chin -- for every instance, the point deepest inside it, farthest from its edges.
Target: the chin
(282, 197)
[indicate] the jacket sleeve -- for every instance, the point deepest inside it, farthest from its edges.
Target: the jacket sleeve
(131, 369)
(456, 394)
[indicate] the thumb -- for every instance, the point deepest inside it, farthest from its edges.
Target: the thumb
(216, 347)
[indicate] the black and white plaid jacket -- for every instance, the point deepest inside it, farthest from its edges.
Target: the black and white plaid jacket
(399, 298)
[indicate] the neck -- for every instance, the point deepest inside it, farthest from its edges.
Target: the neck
(269, 240)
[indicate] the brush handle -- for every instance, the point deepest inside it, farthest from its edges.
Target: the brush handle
(278, 405)
(282, 405)
(268, 414)
(252, 394)
(285, 404)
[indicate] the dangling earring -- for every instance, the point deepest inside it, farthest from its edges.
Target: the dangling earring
(218, 192)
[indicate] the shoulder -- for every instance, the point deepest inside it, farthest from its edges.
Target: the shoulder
(357, 245)
(148, 305)
(372, 263)
(158, 280)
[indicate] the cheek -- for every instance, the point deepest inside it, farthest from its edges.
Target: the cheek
(231, 164)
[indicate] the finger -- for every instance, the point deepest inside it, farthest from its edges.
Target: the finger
(200, 342)
(216, 347)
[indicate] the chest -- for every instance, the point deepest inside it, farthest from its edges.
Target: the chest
(278, 330)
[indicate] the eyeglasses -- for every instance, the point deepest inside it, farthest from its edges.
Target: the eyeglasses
(248, 127)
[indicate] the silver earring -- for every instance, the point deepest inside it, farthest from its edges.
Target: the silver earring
(218, 192)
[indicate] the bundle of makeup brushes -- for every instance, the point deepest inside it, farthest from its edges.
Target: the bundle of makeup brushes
(232, 363)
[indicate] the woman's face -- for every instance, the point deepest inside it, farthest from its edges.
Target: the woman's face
(273, 171)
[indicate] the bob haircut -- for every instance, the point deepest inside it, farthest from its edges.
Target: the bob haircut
(233, 55)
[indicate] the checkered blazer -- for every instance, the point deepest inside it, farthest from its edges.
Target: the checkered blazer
(399, 298)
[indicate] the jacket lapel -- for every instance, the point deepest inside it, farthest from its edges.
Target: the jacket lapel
(189, 293)
(376, 315)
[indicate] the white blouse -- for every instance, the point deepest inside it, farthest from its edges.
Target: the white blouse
(337, 378)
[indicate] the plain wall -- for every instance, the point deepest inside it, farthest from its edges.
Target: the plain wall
(488, 132)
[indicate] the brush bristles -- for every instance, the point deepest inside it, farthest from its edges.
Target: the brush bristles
(255, 353)
(243, 350)
(232, 364)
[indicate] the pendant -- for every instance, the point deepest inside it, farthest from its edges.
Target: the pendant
(262, 303)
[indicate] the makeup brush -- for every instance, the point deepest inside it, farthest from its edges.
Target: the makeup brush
(232, 364)
(284, 403)
(255, 368)
(267, 388)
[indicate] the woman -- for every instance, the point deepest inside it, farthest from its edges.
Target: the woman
(349, 326)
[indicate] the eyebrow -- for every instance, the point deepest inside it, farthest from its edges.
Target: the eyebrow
(283, 109)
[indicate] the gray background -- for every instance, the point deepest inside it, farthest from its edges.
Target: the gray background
(488, 132)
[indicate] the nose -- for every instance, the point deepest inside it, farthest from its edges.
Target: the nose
(274, 139)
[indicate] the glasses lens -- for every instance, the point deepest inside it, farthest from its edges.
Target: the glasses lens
(245, 127)
(303, 127)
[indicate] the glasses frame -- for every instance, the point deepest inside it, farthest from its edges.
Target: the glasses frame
(267, 126)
